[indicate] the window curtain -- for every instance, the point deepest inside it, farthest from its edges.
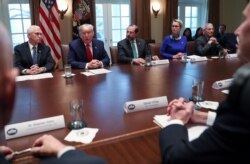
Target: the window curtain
(34, 10)
(213, 13)
(141, 16)
(170, 12)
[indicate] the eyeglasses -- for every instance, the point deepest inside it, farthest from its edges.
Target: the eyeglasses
(175, 26)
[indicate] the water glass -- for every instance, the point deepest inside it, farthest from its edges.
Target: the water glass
(197, 91)
(67, 70)
(76, 113)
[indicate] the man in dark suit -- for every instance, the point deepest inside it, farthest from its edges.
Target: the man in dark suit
(207, 44)
(227, 140)
(45, 145)
(132, 49)
(32, 57)
(86, 52)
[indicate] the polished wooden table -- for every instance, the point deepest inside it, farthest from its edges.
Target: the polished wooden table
(123, 138)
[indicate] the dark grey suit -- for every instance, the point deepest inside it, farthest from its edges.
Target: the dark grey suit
(205, 49)
(227, 141)
(125, 53)
(77, 55)
(23, 58)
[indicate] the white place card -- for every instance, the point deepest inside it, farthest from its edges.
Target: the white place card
(71, 75)
(204, 58)
(232, 55)
(33, 127)
(208, 104)
(222, 84)
(159, 62)
(145, 104)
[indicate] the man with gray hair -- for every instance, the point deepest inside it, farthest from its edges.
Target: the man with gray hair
(32, 57)
(87, 52)
(207, 44)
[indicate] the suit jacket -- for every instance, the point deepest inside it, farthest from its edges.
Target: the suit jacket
(205, 49)
(70, 157)
(226, 141)
(125, 53)
(77, 55)
(23, 58)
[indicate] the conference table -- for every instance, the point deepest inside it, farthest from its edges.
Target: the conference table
(122, 137)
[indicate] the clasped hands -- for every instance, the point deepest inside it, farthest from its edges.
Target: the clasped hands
(95, 64)
(181, 110)
(34, 69)
(141, 61)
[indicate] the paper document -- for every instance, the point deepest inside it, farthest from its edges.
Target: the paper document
(34, 77)
(193, 131)
(95, 72)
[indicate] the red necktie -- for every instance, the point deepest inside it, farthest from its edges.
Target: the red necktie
(89, 54)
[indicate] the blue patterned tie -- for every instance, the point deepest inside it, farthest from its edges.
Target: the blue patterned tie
(34, 55)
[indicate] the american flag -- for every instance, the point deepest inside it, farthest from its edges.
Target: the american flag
(50, 26)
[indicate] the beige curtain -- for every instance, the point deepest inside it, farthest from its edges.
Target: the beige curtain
(213, 13)
(170, 12)
(140, 14)
(34, 10)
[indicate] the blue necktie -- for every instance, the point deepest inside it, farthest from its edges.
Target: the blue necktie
(34, 55)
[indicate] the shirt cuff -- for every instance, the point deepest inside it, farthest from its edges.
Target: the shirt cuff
(210, 118)
(86, 66)
(64, 150)
(24, 71)
(175, 121)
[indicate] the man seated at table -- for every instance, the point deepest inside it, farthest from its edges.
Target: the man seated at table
(86, 52)
(45, 145)
(227, 140)
(207, 44)
(132, 49)
(32, 57)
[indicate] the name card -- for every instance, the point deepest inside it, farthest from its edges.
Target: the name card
(33, 127)
(159, 62)
(198, 59)
(222, 84)
(145, 104)
(231, 55)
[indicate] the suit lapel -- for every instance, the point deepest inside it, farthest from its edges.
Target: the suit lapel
(94, 50)
(39, 53)
(28, 53)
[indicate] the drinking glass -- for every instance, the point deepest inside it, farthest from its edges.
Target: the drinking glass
(76, 112)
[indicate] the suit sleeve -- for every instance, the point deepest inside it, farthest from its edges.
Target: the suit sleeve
(49, 63)
(202, 47)
(18, 60)
(73, 57)
(122, 53)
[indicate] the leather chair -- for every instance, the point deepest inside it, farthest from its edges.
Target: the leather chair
(64, 52)
(114, 54)
(191, 48)
(155, 49)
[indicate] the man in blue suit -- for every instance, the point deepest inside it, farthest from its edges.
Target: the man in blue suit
(227, 140)
(32, 57)
(56, 151)
(86, 52)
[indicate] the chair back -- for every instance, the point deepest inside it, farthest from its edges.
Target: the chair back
(155, 49)
(114, 54)
(191, 48)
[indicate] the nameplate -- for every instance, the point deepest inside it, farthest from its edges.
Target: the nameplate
(159, 62)
(33, 127)
(199, 59)
(231, 55)
(145, 104)
(222, 84)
